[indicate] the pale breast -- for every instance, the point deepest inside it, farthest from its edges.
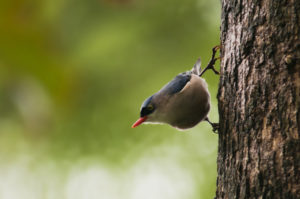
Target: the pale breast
(191, 105)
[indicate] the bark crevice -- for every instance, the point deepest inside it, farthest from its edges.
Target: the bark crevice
(259, 100)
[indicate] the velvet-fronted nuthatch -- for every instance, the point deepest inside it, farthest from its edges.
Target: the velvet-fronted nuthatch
(183, 102)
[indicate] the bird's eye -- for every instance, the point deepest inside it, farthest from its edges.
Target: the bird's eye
(146, 110)
(150, 107)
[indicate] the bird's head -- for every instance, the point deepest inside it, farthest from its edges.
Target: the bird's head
(147, 110)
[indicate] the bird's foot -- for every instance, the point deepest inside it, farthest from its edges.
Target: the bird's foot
(212, 61)
(215, 126)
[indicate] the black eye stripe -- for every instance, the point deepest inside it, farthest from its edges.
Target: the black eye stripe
(146, 111)
(147, 107)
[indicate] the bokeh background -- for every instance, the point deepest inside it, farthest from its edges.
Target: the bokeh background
(73, 75)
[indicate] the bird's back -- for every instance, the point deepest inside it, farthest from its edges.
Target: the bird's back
(189, 106)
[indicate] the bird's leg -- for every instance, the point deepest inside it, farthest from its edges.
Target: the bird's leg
(212, 61)
(215, 126)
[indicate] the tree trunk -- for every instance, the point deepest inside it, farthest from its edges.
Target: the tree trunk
(259, 100)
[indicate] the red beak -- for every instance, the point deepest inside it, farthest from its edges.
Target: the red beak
(139, 121)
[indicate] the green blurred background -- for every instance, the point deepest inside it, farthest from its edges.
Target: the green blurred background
(73, 76)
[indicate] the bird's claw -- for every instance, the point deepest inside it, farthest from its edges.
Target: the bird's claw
(218, 47)
(215, 127)
(212, 61)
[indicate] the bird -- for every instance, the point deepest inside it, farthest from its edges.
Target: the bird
(181, 103)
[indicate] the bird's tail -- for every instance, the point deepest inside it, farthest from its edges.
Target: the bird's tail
(197, 68)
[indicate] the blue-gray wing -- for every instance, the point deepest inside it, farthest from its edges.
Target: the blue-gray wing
(177, 84)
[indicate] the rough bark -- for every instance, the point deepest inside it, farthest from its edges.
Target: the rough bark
(259, 100)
